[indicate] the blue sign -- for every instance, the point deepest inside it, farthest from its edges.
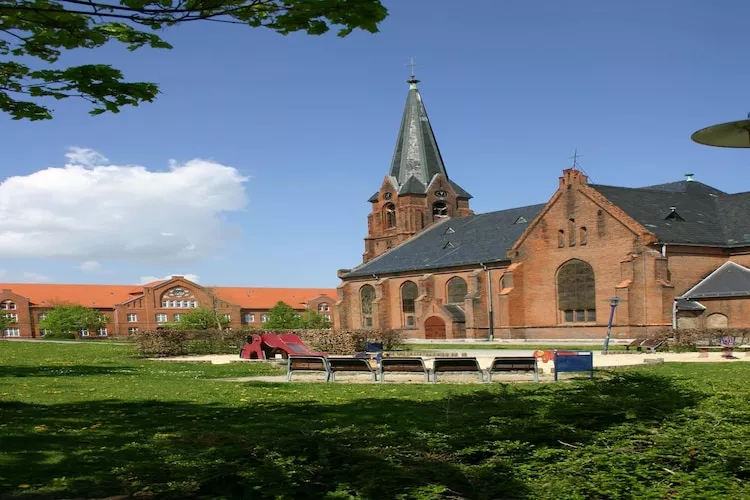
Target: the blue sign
(574, 361)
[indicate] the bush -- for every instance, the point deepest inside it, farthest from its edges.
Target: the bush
(347, 341)
(163, 343)
(696, 337)
(60, 336)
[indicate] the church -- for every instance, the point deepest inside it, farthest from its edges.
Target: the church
(674, 255)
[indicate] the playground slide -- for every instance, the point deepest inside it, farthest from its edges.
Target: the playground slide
(266, 346)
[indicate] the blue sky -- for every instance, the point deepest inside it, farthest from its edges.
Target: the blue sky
(512, 88)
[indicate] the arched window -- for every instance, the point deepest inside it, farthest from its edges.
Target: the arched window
(560, 239)
(717, 320)
(323, 307)
(409, 292)
(576, 291)
(8, 305)
(457, 290)
(390, 215)
(583, 236)
(366, 296)
(439, 210)
(571, 232)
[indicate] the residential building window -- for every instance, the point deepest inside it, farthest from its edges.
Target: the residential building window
(390, 215)
(42, 316)
(102, 332)
(571, 232)
(248, 318)
(228, 317)
(583, 236)
(43, 332)
(263, 318)
(323, 307)
(132, 317)
(409, 293)
(8, 305)
(327, 317)
(561, 239)
(12, 332)
(177, 316)
(366, 296)
(576, 292)
(132, 330)
(13, 317)
(161, 318)
(84, 332)
(174, 304)
(410, 321)
(457, 290)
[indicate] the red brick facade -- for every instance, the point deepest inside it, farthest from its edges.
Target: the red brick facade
(146, 307)
(580, 226)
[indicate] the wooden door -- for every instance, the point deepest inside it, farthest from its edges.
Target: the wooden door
(434, 328)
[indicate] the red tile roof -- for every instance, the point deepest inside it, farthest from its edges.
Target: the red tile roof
(107, 296)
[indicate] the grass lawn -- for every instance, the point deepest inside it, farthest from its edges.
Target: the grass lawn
(88, 421)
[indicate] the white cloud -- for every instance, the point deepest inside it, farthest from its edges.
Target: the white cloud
(187, 276)
(30, 277)
(93, 211)
(90, 266)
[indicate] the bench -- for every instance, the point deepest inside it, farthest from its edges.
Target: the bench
(317, 364)
(456, 365)
(517, 364)
(351, 365)
(651, 345)
(402, 365)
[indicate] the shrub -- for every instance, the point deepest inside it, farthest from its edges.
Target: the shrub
(60, 336)
(162, 343)
(346, 341)
(695, 337)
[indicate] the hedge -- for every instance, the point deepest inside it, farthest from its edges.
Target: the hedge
(695, 337)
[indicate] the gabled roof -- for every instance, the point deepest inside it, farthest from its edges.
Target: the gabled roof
(454, 242)
(416, 158)
(686, 212)
(729, 280)
(109, 296)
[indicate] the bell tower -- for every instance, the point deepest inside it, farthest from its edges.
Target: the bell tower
(417, 192)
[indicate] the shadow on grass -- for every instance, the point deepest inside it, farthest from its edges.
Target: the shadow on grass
(468, 445)
(62, 371)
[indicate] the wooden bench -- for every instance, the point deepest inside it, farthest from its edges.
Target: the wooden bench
(456, 365)
(402, 365)
(350, 365)
(517, 364)
(317, 364)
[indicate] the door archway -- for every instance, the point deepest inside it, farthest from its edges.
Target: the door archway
(434, 328)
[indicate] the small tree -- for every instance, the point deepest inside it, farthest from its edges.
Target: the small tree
(314, 321)
(5, 320)
(283, 317)
(68, 319)
(201, 319)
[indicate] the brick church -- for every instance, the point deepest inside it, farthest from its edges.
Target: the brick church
(674, 254)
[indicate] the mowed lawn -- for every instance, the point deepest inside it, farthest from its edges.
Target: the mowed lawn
(89, 421)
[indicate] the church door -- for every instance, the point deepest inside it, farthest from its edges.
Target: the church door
(434, 328)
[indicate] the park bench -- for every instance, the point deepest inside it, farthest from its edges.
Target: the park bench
(317, 364)
(456, 365)
(402, 365)
(650, 345)
(516, 364)
(350, 365)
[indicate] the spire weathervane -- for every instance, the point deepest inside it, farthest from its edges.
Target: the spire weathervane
(412, 81)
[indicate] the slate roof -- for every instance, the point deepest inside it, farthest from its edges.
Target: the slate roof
(729, 280)
(472, 239)
(416, 159)
(702, 215)
(689, 305)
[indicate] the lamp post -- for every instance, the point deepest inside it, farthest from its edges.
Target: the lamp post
(613, 301)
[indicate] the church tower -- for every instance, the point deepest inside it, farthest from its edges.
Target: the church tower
(417, 191)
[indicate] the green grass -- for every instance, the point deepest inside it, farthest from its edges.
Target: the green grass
(470, 345)
(88, 421)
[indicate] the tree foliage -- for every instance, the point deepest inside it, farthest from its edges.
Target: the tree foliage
(201, 319)
(314, 321)
(40, 30)
(6, 320)
(282, 317)
(67, 319)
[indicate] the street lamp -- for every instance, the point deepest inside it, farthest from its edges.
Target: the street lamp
(613, 301)
(734, 134)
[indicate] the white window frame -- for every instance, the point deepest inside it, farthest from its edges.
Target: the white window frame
(162, 317)
(102, 332)
(264, 318)
(248, 317)
(132, 330)
(228, 317)
(12, 332)
(8, 305)
(83, 332)
(132, 318)
(177, 316)
(13, 316)
(323, 307)
(42, 316)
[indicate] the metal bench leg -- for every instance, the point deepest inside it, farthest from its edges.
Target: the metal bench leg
(536, 376)
(382, 376)
(434, 377)
(331, 377)
(289, 376)
(427, 376)
(481, 377)
(489, 376)
(374, 377)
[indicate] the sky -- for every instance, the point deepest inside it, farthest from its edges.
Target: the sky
(254, 165)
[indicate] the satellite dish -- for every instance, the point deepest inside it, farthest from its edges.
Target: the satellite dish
(725, 135)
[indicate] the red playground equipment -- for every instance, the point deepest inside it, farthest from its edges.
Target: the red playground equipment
(268, 345)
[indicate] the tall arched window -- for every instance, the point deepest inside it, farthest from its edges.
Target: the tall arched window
(560, 238)
(457, 290)
(583, 236)
(409, 292)
(576, 291)
(571, 232)
(439, 210)
(390, 215)
(366, 296)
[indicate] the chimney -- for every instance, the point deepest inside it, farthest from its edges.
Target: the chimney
(689, 177)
